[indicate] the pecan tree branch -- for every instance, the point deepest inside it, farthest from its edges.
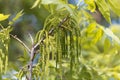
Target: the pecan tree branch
(52, 30)
(33, 49)
(20, 41)
(31, 62)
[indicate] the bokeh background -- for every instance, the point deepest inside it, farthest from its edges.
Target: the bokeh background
(33, 20)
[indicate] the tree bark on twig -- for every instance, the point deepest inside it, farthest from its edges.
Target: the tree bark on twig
(32, 52)
(35, 47)
(20, 41)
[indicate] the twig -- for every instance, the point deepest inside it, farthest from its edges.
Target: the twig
(51, 31)
(1, 26)
(33, 50)
(27, 77)
(32, 41)
(31, 62)
(20, 41)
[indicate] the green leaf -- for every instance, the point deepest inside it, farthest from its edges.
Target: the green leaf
(109, 34)
(91, 5)
(3, 17)
(36, 3)
(18, 15)
(50, 1)
(91, 27)
(67, 7)
(106, 44)
(112, 36)
(104, 9)
(114, 4)
(98, 35)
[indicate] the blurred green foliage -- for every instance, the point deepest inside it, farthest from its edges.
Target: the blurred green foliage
(82, 50)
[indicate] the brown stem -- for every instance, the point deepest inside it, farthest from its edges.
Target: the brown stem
(52, 30)
(31, 62)
(33, 50)
(20, 41)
